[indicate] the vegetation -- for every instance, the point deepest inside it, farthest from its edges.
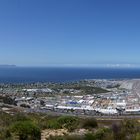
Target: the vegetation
(67, 122)
(124, 130)
(89, 123)
(85, 89)
(29, 127)
(26, 130)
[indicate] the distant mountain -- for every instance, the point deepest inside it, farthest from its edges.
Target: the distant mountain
(7, 66)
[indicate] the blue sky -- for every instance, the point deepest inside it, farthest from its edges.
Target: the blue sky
(69, 32)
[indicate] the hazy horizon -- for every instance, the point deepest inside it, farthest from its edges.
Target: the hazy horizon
(77, 66)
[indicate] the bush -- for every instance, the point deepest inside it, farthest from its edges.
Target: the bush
(101, 133)
(67, 122)
(53, 124)
(89, 123)
(26, 130)
(21, 117)
(138, 136)
(66, 119)
(89, 136)
(130, 126)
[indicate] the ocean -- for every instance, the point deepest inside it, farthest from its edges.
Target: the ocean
(52, 74)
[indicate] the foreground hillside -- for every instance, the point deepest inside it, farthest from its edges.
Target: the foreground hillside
(43, 127)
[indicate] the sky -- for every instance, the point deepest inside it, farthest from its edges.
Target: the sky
(70, 32)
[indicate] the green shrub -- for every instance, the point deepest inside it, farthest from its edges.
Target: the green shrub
(21, 117)
(138, 136)
(89, 136)
(66, 119)
(130, 126)
(53, 124)
(26, 130)
(89, 123)
(68, 122)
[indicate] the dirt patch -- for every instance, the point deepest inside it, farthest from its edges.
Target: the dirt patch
(50, 132)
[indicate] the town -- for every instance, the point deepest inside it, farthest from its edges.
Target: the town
(86, 97)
